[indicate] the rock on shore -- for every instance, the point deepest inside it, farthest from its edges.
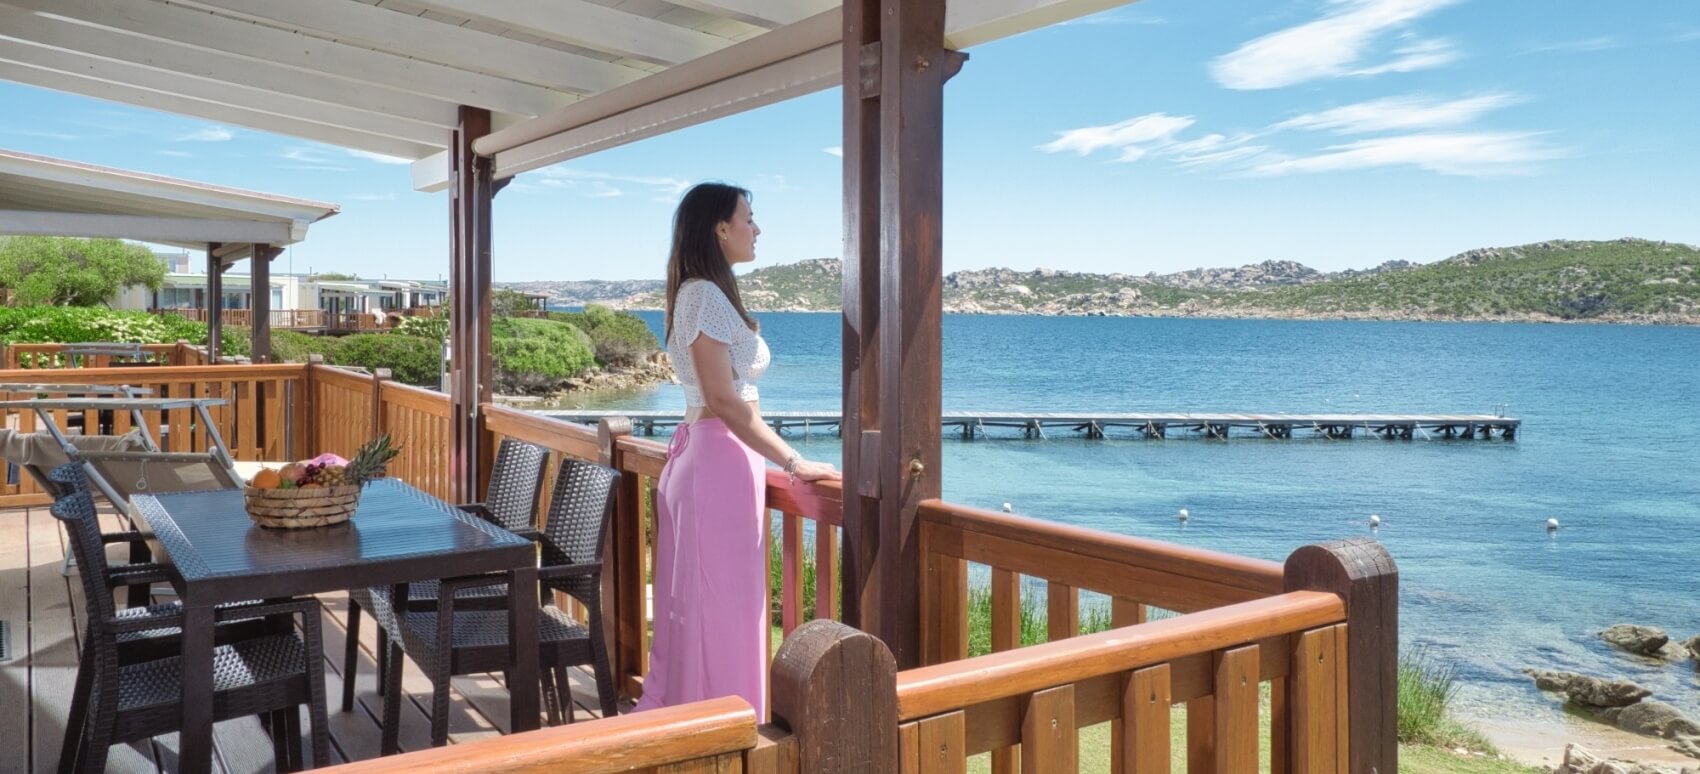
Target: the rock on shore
(1588, 691)
(1579, 760)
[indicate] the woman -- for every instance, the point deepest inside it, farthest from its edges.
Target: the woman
(711, 618)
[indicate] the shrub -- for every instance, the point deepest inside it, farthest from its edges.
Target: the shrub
(536, 355)
(60, 324)
(435, 328)
(411, 359)
(295, 346)
(621, 339)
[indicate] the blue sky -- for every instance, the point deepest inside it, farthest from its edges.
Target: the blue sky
(1159, 136)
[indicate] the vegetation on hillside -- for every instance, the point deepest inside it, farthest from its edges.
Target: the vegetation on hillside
(65, 271)
(1622, 280)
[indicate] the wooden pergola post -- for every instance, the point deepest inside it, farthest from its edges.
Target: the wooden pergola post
(260, 302)
(895, 68)
(215, 302)
(471, 192)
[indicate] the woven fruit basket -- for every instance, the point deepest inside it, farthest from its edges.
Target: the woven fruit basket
(318, 492)
(301, 508)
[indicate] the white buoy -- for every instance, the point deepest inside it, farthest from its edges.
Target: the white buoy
(1552, 525)
(1374, 521)
(1183, 515)
(1007, 508)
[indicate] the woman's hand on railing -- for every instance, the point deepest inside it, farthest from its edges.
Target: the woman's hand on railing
(809, 470)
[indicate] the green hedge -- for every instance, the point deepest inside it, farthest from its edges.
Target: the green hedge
(533, 355)
(410, 359)
(72, 324)
(620, 339)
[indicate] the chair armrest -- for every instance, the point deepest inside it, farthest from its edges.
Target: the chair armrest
(476, 509)
(568, 570)
(138, 574)
(450, 586)
(243, 611)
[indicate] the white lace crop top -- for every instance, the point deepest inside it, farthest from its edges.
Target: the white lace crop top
(701, 308)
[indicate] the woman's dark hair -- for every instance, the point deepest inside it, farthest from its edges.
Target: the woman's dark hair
(696, 252)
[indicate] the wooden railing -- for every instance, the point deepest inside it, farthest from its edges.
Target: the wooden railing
(243, 318)
(62, 356)
(1321, 630)
(263, 419)
(352, 321)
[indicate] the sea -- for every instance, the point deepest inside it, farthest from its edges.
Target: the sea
(1611, 422)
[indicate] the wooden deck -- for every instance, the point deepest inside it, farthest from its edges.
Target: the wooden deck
(44, 610)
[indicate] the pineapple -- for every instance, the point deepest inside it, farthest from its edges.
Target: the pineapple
(368, 463)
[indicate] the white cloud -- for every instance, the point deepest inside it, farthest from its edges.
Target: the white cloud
(376, 157)
(1585, 45)
(311, 157)
(1134, 137)
(1473, 154)
(836, 150)
(1400, 113)
(1338, 44)
(597, 184)
(208, 134)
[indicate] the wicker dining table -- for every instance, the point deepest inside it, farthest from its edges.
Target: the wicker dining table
(399, 534)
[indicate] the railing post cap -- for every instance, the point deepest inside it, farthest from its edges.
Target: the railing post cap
(1337, 564)
(316, 359)
(614, 425)
(835, 687)
(381, 373)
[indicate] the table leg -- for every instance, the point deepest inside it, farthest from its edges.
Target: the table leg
(522, 652)
(195, 755)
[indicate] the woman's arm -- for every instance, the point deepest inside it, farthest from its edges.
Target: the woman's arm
(713, 363)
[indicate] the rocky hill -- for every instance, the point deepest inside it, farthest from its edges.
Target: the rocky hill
(1626, 280)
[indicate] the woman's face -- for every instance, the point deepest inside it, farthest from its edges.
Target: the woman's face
(738, 235)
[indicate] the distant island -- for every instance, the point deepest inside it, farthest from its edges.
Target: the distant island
(1620, 281)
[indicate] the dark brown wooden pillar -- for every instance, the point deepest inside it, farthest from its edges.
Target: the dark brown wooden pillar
(215, 302)
(895, 67)
(260, 303)
(471, 191)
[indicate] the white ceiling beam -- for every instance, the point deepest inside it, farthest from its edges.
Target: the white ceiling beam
(172, 103)
(431, 174)
(147, 228)
(588, 25)
(281, 105)
(768, 48)
(969, 24)
(762, 13)
(225, 68)
(793, 77)
(201, 29)
(422, 38)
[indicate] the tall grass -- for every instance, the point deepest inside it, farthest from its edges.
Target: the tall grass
(1426, 689)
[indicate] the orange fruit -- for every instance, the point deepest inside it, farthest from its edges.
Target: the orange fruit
(267, 479)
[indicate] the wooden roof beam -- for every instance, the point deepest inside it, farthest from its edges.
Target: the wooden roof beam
(422, 38)
(762, 13)
(193, 27)
(281, 105)
(588, 25)
(220, 67)
(172, 103)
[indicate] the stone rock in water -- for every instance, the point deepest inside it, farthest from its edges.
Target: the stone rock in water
(1641, 640)
(1693, 645)
(1579, 760)
(1589, 691)
(1656, 718)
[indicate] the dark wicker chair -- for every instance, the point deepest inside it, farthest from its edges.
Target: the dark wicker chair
(446, 641)
(510, 502)
(129, 682)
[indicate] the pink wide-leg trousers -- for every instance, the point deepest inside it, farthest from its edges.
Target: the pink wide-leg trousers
(711, 608)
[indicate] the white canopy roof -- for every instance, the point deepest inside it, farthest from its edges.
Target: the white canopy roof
(44, 196)
(563, 77)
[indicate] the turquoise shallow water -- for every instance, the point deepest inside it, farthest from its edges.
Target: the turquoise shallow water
(1611, 419)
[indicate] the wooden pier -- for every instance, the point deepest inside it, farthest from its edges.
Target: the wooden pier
(970, 425)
